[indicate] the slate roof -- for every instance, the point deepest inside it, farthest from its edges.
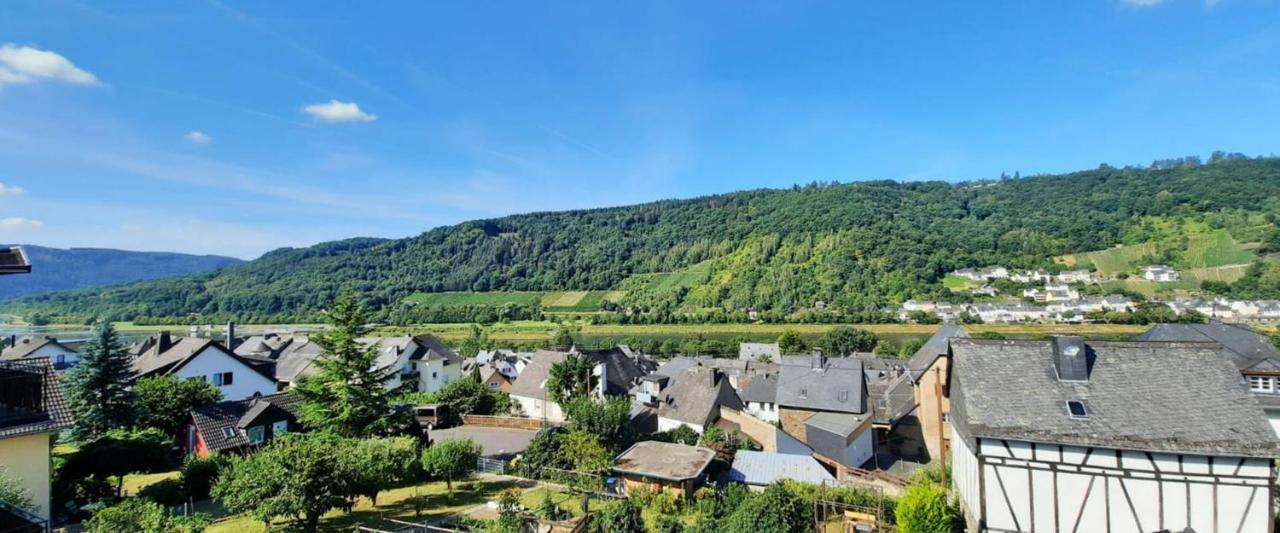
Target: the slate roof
(934, 348)
(697, 396)
(762, 389)
(431, 348)
(1180, 397)
(31, 399)
(295, 360)
(837, 385)
(531, 382)
(751, 351)
(764, 468)
(14, 261)
(664, 460)
(1249, 349)
(236, 415)
(621, 371)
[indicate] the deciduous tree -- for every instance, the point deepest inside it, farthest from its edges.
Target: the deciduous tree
(165, 402)
(451, 460)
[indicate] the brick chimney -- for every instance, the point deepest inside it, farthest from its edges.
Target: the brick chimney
(231, 335)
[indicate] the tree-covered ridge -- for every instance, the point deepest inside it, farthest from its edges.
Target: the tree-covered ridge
(856, 246)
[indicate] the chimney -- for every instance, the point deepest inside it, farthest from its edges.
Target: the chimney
(818, 362)
(231, 335)
(164, 342)
(1071, 359)
(13, 340)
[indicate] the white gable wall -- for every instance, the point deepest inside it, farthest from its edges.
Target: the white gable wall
(433, 375)
(1020, 486)
(53, 352)
(245, 381)
(540, 409)
(1273, 416)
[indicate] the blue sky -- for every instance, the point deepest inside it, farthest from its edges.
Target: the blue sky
(238, 127)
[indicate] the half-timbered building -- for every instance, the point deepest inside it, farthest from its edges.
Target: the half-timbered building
(1067, 435)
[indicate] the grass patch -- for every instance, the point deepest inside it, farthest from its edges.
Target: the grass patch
(476, 298)
(1214, 249)
(959, 284)
(397, 503)
(1228, 273)
(563, 299)
(133, 483)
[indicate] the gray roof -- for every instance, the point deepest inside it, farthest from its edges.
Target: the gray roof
(431, 349)
(24, 346)
(673, 368)
(762, 389)
(1180, 397)
(150, 360)
(751, 351)
(835, 385)
(621, 370)
(295, 360)
(13, 260)
(764, 468)
(1249, 349)
(934, 348)
(664, 460)
(530, 383)
(697, 396)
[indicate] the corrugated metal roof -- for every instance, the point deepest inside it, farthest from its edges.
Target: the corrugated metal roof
(763, 468)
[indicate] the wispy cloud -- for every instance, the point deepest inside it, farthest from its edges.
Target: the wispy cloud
(11, 190)
(18, 223)
(335, 111)
(198, 137)
(24, 64)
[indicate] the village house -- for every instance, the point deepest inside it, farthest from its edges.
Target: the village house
(695, 400)
(1076, 435)
(235, 376)
(1076, 276)
(822, 402)
(1160, 273)
(493, 379)
(615, 371)
(32, 412)
(13, 260)
(1030, 276)
(1251, 352)
(240, 425)
(929, 368)
(663, 467)
(422, 362)
(61, 354)
(1052, 293)
(983, 274)
(760, 398)
(508, 363)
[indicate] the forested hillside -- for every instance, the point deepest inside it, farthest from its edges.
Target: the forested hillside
(57, 269)
(857, 247)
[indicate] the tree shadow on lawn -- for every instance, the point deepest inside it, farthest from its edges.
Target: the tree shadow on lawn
(436, 504)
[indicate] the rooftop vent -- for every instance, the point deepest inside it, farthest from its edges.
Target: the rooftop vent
(817, 361)
(1078, 409)
(1071, 359)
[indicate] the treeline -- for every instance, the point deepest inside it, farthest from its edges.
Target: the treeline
(855, 247)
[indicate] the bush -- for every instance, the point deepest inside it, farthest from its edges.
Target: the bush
(138, 515)
(166, 492)
(664, 503)
(666, 523)
(198, 474)
(924, 509)
(622, 516)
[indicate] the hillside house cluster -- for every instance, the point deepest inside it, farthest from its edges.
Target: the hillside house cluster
(997, 272)
(1067, 310)
(1160, 273)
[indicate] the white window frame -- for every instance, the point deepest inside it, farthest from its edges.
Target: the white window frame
(261, 433)
(1266, 384)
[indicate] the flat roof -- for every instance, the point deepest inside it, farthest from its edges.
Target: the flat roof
(664, 460)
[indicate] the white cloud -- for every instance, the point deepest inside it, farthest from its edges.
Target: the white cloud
(23, 64)
(10, 190)
(335, 111)
(1142, 3)
(199, 137)
(18, 223)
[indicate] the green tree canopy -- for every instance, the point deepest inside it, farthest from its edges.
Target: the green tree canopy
(139, 515)
(350, 395)
(571, 378)
(13, 493)
(97, 389)
(300, 476)
(165, 402)
(924, 509)
(382, 464)
(451, 460)
(778, 508)
(609, 420)
(790, 342)
(622, 516)
(845, 340)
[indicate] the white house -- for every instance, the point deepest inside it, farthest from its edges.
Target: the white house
(422, 361)
(530, 389)
(615, 372)
(1159, 273)
(1069, 435)
(203, 359)
(60, 354)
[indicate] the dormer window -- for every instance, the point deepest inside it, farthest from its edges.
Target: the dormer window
(1077, 409)
(1265, 384)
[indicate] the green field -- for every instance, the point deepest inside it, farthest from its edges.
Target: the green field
(957, 283)
(1209, 249)
(476, 298)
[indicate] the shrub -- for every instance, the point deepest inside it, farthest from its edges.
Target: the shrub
(924, 509)
(198, 474)
(138, 515)
(664, 503)
(622, 516)
(166, 492)
(665, 523)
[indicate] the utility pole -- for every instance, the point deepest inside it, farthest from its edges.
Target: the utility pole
(937, 399)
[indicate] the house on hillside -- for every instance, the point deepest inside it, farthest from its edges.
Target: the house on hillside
(1251, 352)
(1076, 435)
(62, 355)
(240, 425)
(204, 359)
(822, 402)
(695, 400)
(1159, 273)
(1076, 276)
(32, 412)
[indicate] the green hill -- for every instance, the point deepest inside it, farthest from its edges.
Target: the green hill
(59, 269)
(857, 247)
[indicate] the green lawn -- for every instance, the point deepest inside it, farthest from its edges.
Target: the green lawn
(133, 483)
(1216, 248)
(396, 504)
(476, 298)
(957, 283)
(1205, 249)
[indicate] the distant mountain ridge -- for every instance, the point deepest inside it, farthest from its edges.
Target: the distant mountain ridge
(846, 249)
(56, 269)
